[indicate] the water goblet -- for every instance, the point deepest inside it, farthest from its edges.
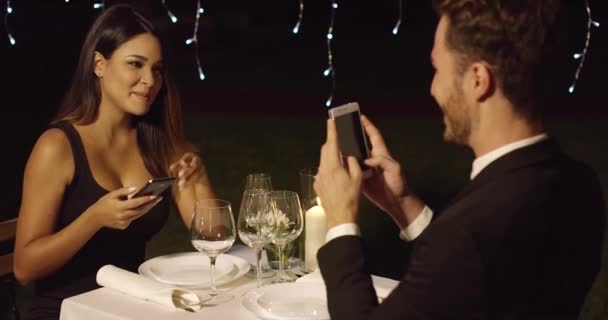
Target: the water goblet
(287, 225)
(213, 233)
(254, 224)
(259, 181)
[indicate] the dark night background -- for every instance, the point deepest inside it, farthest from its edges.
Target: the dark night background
(256, 67)
(254, 64)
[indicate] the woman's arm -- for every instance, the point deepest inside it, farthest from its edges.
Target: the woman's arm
(192, 184)
(38, 249)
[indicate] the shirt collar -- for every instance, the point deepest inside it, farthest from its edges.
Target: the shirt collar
(481, 162)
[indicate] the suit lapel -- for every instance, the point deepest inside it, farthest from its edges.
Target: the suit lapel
(523, 157)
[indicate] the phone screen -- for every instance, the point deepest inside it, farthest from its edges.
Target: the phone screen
(350, 135)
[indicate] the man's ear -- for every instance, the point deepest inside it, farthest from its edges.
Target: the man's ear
(482, 82)
(99, 64)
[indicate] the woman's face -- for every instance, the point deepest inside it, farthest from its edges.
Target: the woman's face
(132, 77)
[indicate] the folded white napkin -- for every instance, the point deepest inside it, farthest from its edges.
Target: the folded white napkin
(383, 286)
(140, 287)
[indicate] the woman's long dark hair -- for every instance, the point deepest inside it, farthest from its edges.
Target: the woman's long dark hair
(160, 132)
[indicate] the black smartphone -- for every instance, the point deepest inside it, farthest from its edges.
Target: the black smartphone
(154, 187)
(351, 136)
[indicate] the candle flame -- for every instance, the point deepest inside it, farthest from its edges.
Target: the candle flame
(319, 202)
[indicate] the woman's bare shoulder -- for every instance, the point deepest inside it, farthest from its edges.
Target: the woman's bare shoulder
(52, 151)
(52, 143)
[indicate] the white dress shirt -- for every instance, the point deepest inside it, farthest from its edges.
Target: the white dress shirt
(423, 220)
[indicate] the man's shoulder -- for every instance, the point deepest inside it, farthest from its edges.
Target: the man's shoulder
(575, 168)
(543, 171)
(535, 194)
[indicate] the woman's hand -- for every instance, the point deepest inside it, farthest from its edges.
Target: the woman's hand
(115, 210)
(188, 169)
(192, 184)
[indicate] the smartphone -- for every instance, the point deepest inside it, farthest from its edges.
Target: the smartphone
(351, 136)
(154, 187)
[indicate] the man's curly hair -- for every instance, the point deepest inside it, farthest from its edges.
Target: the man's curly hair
(517, 38)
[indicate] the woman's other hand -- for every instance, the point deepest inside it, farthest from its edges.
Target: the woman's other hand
(188, 169)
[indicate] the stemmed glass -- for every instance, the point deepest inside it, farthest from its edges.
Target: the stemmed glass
(213, 233)
(259, 181)
(255, 224)
(287, 226)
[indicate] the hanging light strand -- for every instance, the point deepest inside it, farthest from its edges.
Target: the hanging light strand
(296, 29)
(169, 13)
(194, 39)
(582, 55)
(398, 24)
(99, 4)
(9, 10)
(331, 71)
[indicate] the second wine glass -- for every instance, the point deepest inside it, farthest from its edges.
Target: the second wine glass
(254, 224)
(213, 233)
(287, 226)
(259, 181)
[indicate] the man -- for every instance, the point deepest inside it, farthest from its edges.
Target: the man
(523, 239)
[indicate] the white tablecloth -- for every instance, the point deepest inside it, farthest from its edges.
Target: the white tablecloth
(109, 304)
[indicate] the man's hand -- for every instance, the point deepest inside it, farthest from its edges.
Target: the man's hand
(339, 188)
(387, 187)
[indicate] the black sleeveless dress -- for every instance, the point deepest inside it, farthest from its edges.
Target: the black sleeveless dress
(122, 248)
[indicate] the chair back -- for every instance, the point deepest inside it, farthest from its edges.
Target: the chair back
(8, 229)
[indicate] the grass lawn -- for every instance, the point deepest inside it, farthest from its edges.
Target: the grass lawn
(235, 145)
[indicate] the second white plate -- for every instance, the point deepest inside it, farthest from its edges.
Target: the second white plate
(287, 301)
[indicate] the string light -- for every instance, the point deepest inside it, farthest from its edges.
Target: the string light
(169, 13)
(194, 39)
(398, 24)
(582, 55)
(296, 29)
(9, 10)
(331, 71)
(99, 5)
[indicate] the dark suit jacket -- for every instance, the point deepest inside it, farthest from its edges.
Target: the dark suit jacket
(521, 241)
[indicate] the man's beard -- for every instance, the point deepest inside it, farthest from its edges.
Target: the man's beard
(457, 118)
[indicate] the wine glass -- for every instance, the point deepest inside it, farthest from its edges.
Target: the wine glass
(255, 224)
(287, 226)
(259, 181)
(213, 233)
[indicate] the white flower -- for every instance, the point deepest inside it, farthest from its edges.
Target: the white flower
(281, 220)
(262, 221)
(270, 222)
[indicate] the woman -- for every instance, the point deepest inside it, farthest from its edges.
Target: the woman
(119, 126)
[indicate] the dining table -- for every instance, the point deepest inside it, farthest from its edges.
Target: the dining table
(109, 304)
(106, 303)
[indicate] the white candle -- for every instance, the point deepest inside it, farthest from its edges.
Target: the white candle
(315, 231)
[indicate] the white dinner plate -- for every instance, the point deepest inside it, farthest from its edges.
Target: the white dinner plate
(287, 301)
(192, 269)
